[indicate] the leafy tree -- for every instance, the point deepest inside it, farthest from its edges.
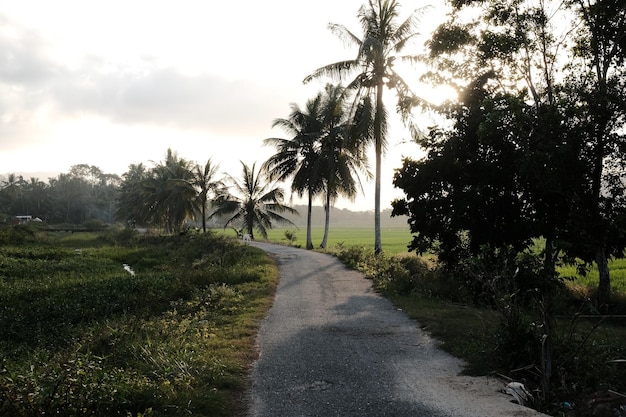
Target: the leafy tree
(597, 114)
(256, 204)
(68, 199)
(169, 193)
(522, 161)
(567, 130)
(383, 38)
(36, 196)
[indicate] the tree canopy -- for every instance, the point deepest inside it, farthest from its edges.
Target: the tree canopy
(537, 144)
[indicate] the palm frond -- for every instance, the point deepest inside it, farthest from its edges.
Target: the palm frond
(335, 71)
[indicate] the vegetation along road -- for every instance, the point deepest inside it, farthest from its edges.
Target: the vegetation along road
(331, 346)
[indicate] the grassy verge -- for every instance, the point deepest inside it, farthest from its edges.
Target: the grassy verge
(463, 331)
(171, 335)
(587, 354)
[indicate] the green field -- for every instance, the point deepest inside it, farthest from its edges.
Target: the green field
(395, 239)
(116, 324)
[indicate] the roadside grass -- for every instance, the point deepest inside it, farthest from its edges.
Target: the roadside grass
(589, 349)
(464, 331)
(587, 352)
(396, 239)
(83, 336)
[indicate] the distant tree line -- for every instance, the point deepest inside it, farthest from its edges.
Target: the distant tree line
(85, 193)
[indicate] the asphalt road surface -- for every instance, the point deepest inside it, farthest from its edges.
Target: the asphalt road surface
(330, 346)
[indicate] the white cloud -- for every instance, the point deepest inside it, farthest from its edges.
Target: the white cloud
(118, 82)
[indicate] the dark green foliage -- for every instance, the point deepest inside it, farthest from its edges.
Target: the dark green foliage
(448, 39)
(514, 330)
(20, 234)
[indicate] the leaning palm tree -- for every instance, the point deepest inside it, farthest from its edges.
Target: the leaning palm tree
(298, 157)
(383, 38)
(257, 204)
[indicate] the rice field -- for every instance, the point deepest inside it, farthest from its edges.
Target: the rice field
(396, 239)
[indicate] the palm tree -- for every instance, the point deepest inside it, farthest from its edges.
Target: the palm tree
(13, 189)
(36, 195)
(298, 157)
(206, 184)
(341, 156)
(130, 198)
(167, 194)
(382, 39)
(256, 205)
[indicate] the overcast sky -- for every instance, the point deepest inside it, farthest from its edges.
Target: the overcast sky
(110, 83)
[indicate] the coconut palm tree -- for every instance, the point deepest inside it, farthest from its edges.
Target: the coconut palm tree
(298, 157)
(13, 192)
(206, 184)
(341, 155)
(130, 200)
(167, 194)
(256, 205)
(383, 39)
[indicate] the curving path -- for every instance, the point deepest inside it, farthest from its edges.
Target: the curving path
(330, 346)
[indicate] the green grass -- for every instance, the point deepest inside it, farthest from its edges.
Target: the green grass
(82, 336)
(585, 282)
(395, 239)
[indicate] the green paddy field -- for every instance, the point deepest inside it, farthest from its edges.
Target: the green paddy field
(396, 239)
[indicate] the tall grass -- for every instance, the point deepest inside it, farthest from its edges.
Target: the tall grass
(83, 336)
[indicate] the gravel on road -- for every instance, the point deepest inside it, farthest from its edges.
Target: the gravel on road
(331, 346)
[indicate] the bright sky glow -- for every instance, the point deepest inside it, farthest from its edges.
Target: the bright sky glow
(118, 82)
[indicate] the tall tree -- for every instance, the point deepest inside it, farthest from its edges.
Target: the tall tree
(36, 197)
(598, 114)
(570, 149)
(130, 199)
(207, 185)
(167, 196)
(298, 157)
(342, 157)
(255, 205)
(383, 39)
(12, 193)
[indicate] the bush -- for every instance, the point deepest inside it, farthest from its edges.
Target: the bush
(21, 234)
(400, 275)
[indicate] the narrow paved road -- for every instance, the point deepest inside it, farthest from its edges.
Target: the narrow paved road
(330, 346)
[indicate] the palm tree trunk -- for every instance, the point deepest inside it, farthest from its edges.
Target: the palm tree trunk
(378, 139)
(326, 221)
(204, 217)
(309, 241)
